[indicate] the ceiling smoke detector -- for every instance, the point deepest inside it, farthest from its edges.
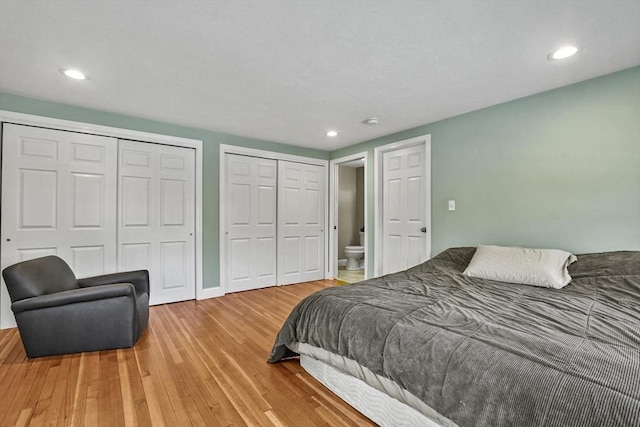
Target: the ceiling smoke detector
(371, 121)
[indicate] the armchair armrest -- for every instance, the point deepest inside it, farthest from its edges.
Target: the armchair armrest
(138, 278)
(74, 296)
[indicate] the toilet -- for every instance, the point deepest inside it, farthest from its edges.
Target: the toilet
(355, 255)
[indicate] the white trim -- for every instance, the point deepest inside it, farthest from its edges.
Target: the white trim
(59, 124)
(119, 133)
(254, 152)
(378, 198)
(332, 265)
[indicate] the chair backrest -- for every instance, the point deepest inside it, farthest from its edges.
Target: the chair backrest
(40, 276)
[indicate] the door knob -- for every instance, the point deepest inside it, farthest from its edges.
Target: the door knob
(423, 229)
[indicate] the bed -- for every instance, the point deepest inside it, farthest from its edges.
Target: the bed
(447, 349)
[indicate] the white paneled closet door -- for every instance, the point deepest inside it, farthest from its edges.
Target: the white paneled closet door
(301, 210)
(58, 198)
(250, 203)
(156, 190)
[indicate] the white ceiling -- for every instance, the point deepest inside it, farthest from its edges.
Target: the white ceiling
(288, 71)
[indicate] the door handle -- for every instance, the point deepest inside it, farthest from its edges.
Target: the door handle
(423, 229)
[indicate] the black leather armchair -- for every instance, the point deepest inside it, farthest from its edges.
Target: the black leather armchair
(59, 314)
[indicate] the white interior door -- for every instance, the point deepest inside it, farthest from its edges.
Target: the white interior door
(156, 190)
(58, 198)
(404, 193)
(250, 203)
(301, 210)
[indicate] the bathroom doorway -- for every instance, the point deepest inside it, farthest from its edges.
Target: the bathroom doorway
(348, 259)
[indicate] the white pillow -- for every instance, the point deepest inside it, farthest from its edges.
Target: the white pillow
(537, 267)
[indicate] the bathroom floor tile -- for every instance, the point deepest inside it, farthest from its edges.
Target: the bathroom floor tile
(350, 276)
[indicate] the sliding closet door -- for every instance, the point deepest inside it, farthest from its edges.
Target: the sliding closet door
(156, 185)
(58, 198)
(301, 210)
(250, 203)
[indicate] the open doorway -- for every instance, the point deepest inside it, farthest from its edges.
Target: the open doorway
(348, 260)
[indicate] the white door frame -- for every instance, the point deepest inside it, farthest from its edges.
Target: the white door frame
(119, 133)
(333, 211)
(254, 152)
(378, 196)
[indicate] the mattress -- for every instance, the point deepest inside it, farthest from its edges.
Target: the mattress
(379, 407)
(352, 373)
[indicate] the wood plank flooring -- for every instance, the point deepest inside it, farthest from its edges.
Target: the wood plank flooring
(200, 363)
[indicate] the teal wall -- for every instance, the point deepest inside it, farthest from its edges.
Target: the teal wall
(560, 169)
(211, 154)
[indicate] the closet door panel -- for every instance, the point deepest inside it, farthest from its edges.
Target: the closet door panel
(250, 214)
(135, 198)
(301, 213)
(58, 198)
(266, 205)
(87, 192)
(38, 200)
(156, 217)
(265, 257)
(173, 261)
(313, 258)
(289, 256)
(239, 250)
(134, 256)
(87, 260)
(312, 210)
(173, 210)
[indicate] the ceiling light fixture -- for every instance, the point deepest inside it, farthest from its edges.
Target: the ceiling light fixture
(371, 121)
(74, 74)
(332, 133)
(563, 52)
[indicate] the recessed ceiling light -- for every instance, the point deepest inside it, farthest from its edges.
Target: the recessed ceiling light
(563, 52)
(332, 133)
(74, 74)
(371, 121)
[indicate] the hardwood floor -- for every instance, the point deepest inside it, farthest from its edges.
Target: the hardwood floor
(200, 363)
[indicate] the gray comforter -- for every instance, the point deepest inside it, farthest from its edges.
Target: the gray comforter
(488, 353)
